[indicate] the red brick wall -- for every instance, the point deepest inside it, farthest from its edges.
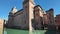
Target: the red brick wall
(57, 21)
(45, 19)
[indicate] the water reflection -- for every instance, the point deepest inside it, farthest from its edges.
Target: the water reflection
(5, 32)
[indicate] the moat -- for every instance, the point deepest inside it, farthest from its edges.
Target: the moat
(16, 31)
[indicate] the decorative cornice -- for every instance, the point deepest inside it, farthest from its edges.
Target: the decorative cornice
(19, 13)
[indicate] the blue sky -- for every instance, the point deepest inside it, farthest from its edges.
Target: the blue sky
(6, 5)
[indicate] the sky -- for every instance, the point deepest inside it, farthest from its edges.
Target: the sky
(7, 5)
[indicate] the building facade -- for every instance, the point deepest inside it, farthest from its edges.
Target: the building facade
(30, 17)
(57, 21)
(22, 18)
(50, 16)
(45, 18)
(38, 17)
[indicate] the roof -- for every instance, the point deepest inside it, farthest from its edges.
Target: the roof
(19, 11)
(58, 15)
(38, 6)
(50, 10)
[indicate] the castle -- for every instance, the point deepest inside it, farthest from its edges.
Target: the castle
(30, 16)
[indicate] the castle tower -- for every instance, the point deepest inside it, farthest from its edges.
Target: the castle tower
(38, 17)
(50, 16)
(11, 16)
(14, 10)
(28, 6)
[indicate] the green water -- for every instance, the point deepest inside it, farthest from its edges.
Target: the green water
(44, 32)
(39, 31)
(15, 31)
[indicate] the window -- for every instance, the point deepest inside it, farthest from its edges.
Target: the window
(37, 14)
(25, 21)
(51, 22)
(49, 14)
(49, 18)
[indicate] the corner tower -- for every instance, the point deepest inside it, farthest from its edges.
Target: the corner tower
(14, 10)
(38, 17)
(28, 6)
(11, 17)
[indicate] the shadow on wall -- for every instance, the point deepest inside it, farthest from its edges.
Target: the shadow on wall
(35, 23)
